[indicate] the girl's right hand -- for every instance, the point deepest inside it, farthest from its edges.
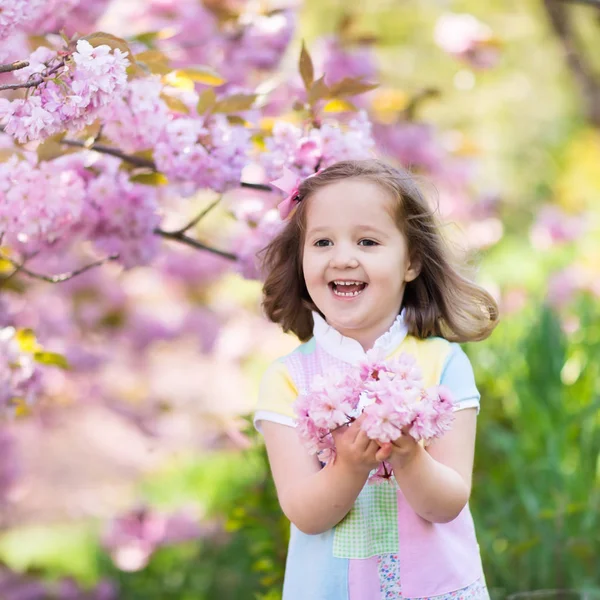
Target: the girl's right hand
(354, 449)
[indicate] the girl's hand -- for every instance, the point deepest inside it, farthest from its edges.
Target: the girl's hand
(354, 449)
(400, 451)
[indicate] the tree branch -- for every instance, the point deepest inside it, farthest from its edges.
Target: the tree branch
(15, 66)
(137, 161)
(19, 86)
(582, 72)
(184, 239)
(197, 219)
(257, 186)
(20, 268)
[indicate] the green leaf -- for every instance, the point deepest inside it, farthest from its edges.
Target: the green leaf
(351, 86)
(175, 104)
(207, 100)
(306, 68)
(318, 91)
(155, 61)
(101, 38)
(236, 120)
(149, 179)
(235, 103)
(52, 358)
(204, 75)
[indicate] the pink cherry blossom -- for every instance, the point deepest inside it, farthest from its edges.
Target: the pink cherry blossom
(87, 81)
(467, 38)
(390, 394)
(301, 152)
(382, 422)
(138, 118)
(38, 202)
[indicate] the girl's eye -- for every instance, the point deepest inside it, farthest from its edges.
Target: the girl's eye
(367, 242)
(322, 243)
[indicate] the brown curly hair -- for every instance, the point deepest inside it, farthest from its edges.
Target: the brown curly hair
(439, 302)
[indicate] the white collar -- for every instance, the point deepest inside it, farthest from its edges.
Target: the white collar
(348, 349)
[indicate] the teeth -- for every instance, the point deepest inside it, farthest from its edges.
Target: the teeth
(348, 282)
(346, 293)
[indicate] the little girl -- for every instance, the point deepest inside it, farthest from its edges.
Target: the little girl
(360, 264)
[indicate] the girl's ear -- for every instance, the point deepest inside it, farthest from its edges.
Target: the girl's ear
(412, 271)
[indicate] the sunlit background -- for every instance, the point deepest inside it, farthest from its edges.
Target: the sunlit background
(137, 475)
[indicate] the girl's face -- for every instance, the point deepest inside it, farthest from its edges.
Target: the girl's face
(355, 259)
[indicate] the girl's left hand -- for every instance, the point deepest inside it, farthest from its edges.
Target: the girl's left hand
(400, 451)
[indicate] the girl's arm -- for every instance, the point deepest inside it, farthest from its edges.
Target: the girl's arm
(436, 481)
(314, 498)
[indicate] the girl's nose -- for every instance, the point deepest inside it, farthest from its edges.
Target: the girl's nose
(343, 259)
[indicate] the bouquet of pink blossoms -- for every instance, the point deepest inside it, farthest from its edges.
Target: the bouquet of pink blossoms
(390, 394)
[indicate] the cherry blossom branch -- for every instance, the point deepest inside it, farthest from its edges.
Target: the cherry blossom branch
(178, 236)
(198, 218)
(20, 268)
(137, 161)
(578, 64)
(20, 86)
(15, 66)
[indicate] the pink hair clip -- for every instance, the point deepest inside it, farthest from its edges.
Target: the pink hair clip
(289, 183)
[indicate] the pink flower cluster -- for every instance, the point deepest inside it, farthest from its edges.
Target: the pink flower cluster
(70, 93)
(121, 217)
(136, 120)
(20, 375)
(210, 155)
(38, 203)
(390, 394)
(259, 43)
(13, 13)
(294, 148)
(31, 14)
(56, 202)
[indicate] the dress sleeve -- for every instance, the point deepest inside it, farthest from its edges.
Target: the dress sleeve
(457, 376)
(276, 395)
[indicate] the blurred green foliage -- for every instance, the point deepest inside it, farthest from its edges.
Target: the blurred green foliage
(536, 491)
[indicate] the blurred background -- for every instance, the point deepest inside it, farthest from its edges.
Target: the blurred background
(138, 475)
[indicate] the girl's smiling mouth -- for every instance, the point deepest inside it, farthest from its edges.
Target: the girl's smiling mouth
(347, 288)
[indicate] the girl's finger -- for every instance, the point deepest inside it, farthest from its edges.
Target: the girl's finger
(385, 451)
(362, 441)
(373, 447)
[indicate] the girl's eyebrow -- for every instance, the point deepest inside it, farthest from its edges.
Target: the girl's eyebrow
(361, 228)
(314, 230)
